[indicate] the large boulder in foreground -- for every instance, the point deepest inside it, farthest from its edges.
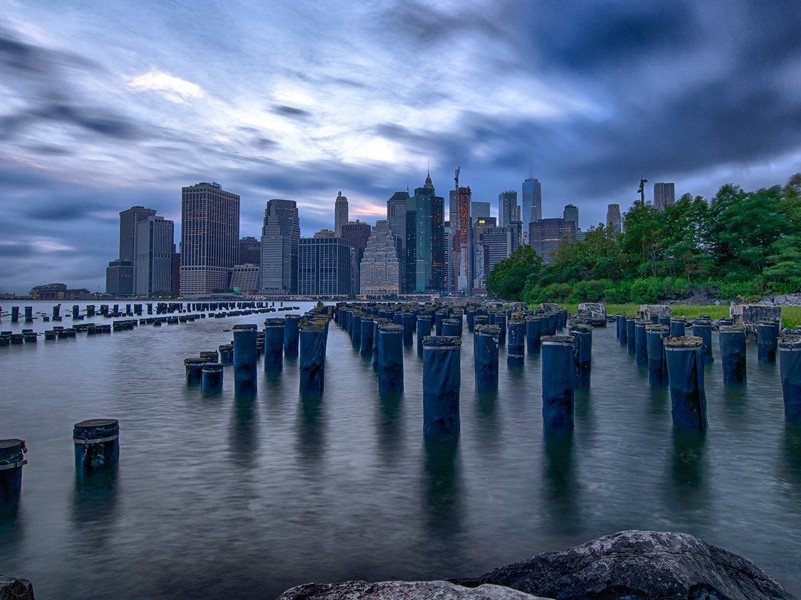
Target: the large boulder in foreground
(15, 589)
(401, 590)
(633, 565)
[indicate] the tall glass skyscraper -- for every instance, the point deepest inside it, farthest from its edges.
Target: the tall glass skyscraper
(507, 207)
(425, 240)
(532, 202)
(280, 238)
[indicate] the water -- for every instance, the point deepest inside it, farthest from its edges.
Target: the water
(219, 498)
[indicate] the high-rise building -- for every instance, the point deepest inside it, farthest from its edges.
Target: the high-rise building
(532, 201)
(479, 210)
(507, 202)
(613, 219)
(324, 267)
(396, 215)
(175, 285)
(380, 266)
(664, 195)
(249, 251)
(571, 214)
(209, 238)
(461, 277)
(356, 234)
(340, 213)
(129, 219)
(154, 254)
(425, 240)
(245, 278)
(545, 235)
(280, 238)
(119, 278)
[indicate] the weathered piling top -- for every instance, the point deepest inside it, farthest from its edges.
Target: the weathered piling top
(685, 342)
(731, 329)
(274, 322)
(656, 328)
(790, 342)
(581, 328)
(390, 327)
(492, 330)
(441, 341)
(195, 361)
(557, 340)
(245, 327)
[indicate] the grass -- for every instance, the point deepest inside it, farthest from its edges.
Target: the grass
(791, 315)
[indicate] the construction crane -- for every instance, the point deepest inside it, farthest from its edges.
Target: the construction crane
(641, 190)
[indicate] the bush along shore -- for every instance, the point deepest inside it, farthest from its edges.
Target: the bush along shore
(739, 246)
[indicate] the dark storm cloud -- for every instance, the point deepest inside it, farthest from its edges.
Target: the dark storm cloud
(291, 111)
(14, 249)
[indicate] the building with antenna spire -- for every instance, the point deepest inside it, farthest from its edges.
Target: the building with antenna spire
(340, 213)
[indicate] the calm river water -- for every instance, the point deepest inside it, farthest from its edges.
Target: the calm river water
(218, 498)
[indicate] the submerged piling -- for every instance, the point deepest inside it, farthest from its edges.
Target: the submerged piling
(226, 353)
(485, 350)
(97, 445)
(367, 337)
(245, 359)
(702, 328)
(313, 336)
(441, 382)
(211, 376)
(533, 334)
(291, 336)
(12, 460)
(657, 361)
(686, 380)
(620, 329)
(194, 369)
(732, 350)
(356, 330)
(450, 328)
(515, 347)
(677, 327)
(408, 320)
(767, 341)
(631, 336)
(390, 359)
(424, 323)
(273, 345)
(558, 378)
(582, 353)
(641, 342)
(790, 372)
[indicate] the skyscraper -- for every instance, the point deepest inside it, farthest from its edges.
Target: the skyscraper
(380, 266)
(209, 238)
(396, 215)
(664, 195)
(461, 278)
(340, 213)
(154, 256)
(119, 278)
(249, 251)
(571, 214)
(356, 234)
(129, 219)
(507, 202)
(425, 240)
(532, 201)
(324, 267)
(613, 218)
(545, 235)
(479, 210)
(280, 237)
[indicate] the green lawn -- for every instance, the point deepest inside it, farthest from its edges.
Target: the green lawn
(791, 315)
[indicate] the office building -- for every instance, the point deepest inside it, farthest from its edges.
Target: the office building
(245, 279)
(479, 210)
(280, 239)
(119, 278)
(209, 238)
(507, 204)
(129, 219)
(532, 201)
(664, 195)
(380, 266)
(545, 235)
(175, 285)
(154, 255)
(396, 215)
(571, 214)
(425, 240)
(324, 267)
(340, 213)
(461, 278)
(356, 234)
(249, 251)
(613, 219)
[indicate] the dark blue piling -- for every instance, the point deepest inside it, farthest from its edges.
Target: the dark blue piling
(533, 334)
(790, 372)
(12, 459)
(732, 352)
(408, 321)
(450, 328)
(558, 381)
(677, 327)
(631, 336)
(424, 323)
(291, 336)
(356, 330)
(194, 369)
(211, 377)
(245, 359)
(56, 312)
(485, 350)
(515, 348)
(686, 380)
(366, 348)
(620, 329)
(97, 445)
(500, 321)
(29, 314)
(661, 320)
(641, 342)
(767, 341)
(439, 317)
(313, 338)
(441, 382)
(582, 353)
(390, 359)
(273, 345)
(226, 352)
(657, 361)
(480, 320)
(15, 314)
(702, 328)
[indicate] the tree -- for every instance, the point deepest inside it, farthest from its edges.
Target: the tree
(509, 276)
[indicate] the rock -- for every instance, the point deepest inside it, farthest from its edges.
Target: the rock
(634, 565)
(391, 590)
(16, 589)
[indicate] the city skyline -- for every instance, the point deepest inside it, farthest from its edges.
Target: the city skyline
(89, 126)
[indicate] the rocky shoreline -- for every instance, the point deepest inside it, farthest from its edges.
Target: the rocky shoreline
(629, 565)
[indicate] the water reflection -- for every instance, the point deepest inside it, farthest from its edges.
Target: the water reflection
(243, 434)
(560, 489)
(688, 471)
(659, 406)
(310, 428)
(388, 417)
(792, 454)
(94, 507)
(443, 501)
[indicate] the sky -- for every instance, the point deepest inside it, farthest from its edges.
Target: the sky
(106, 105)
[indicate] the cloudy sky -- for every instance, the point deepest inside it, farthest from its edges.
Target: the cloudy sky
(104, 105)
